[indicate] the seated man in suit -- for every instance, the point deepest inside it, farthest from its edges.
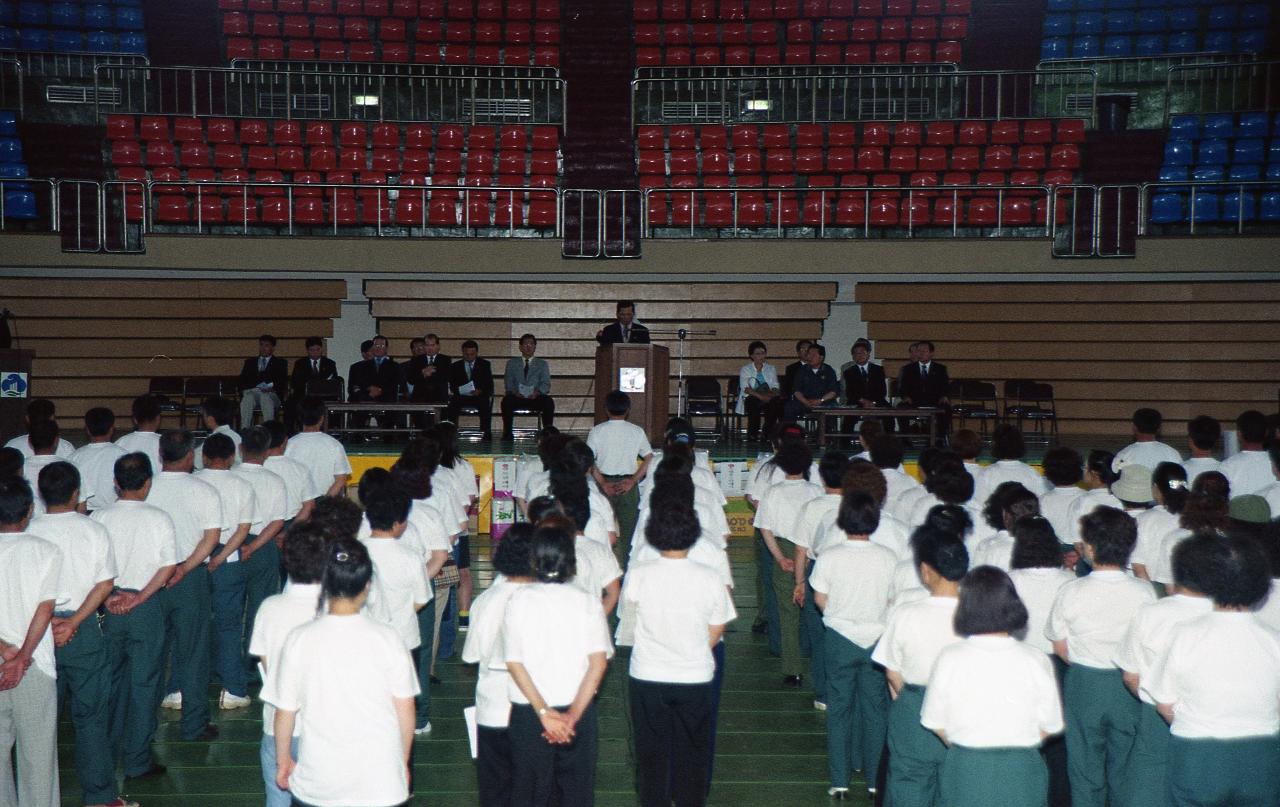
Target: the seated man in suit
(315, 366)
(863, 382)
(471, 382)
(376, 379)
(263, 379)
(427, 373)
(625, 328)
(789, 372)
(816, 385)
(924, 383)
(528, 386)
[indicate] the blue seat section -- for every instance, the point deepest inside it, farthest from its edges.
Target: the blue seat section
(20, 204)
(1219, 148)
(99, 26)
(1153, 28)
(1167, 208)
(8, 124)
(1269, 210)
(1239, 206)
(1245, 173)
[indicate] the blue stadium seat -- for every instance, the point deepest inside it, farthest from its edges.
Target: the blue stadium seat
(1254, 41)
(1184, 127)
(1273, 152)
(64, 15)
(1273, 171)
(1120, 22)
(20, 204)
(8, 13)
(1090, 5)
(1123, 4)
(1206, 207)
(1239, 205)
(1085, 47)
(1149, 45)
(1184, 19)
(1152, 21)
(1219, 124)
(1061, 5)
(1173, 173)
(14, 171)
(33, 14)
(68, 41)
(1223, 16)
(100, 42)
(33, 39)
(10, 150)
(1245, 173)
(1208, 173)
(1255, 16)
(1212, 152)
(1179, 152)
(97, 16)
(1053, 48)
(133, 42)
(1117, 45)
(8, 39)
(8, 124)
(1247, 151)
(1088, 22)
(1182, 42)
(1252, 124)
(1219, 42)
(128, 19)
(1057, 24)
(1270, 207)
(1166, 208)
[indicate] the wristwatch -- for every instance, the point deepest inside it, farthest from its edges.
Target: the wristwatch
(543, 712)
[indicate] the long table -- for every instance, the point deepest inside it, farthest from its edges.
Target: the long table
(410, 409)
(823, 413)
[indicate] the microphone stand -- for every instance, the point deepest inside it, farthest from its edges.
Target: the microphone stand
(682, 334)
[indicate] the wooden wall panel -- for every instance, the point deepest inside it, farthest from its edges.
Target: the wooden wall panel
(98, 342)
(1108, 348)
(566, 316)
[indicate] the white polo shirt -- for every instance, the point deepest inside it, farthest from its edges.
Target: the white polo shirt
(322, 456)
(29, 573)
(1153, 525)
(675, 600)
(857, 578)
(904, 505)
(552, 629)
(1038, 589)
(708, 553)
(1248, 472)
(1221, 672)
(780, 507)
(1092, 614)
(906, 586)
(1055, 507)
(399, 587)
(342, 675)
(896, 483)
(87, 559)
(1150, 453)
(96, 463)
(143, 541)
(914, 636)
(62, 452)
(277, 616)
(228, 432)
(1001, 471)
(1148, 635)
(1162, 569)
(464, 475)
(31, 469)
(712, 523)
(617, 445)
(995, 551)
(992, 692)
(299, 487)
(238, 503)
(144, 442)
(596, 564)
(1085, 504)
(1268, 612)
(270, 498)
(484, 648)
(766, 473)
(434, 531)
(1194, 466)
(193, 504)
(814, 515)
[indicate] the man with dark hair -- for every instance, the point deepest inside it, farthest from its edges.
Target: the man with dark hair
(924, 383)
(1249, 470)
(471, 382)
(260, 553)
(624, 328)
(1146, 448)
(323, 457)
(527, 385)
(864, 383)
(263, 380)
(300, 488)
(29, 570)
(617, 446)
(815, 385)
(43, 439)
(427, 375)
(1203, 433)
(1064, 469)
(375, 379)
(789, 373)
(217, 413)
(315, 366)
(886, 454)
(145, 436)
(96, 459)
(39, 409)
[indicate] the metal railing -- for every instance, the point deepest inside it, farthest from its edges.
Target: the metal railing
(1203, 88)
(787, 70)
(1220, 208)
(398, 68)
(11, 73)
(813, 97)
(305, 95)
(1128, 70)
(72, 64)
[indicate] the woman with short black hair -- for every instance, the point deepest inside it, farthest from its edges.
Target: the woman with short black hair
(758, 391)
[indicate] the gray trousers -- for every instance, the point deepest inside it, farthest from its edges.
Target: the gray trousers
(28, 719)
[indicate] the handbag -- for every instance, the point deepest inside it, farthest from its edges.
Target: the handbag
(448, 576)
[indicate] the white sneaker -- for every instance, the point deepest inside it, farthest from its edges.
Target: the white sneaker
(172, 701)
(425, 730)
(838, 793)
(228, 701)
(820, 706)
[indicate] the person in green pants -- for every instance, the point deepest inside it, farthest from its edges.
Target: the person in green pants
(260, 553)
(87, 577)
(143, 543)
(776, 518)
(617, 446)
(993, 700)
(917, 632)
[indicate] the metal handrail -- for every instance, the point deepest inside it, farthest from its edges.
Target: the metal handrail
(1252, 86)
(1134, 69)
(1193, 189)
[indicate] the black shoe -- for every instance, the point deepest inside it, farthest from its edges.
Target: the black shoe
(792, 680)
(435, 681)
(155, 771)
(207, 734)
(759, 627)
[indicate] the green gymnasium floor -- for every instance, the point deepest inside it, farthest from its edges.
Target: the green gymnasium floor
(770, 748)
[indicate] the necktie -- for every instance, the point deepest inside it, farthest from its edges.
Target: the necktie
(468, 371)
(526, 369)
(262, 364)
(863, 368)
(315, 366)
(377, 363)
(626, 334)
(924, 371)
(431, 360)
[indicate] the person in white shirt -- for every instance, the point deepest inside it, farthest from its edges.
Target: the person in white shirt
(992, 699)
(322, 455)
(815, 519)
(1008, 448)
(87, 576)
(764, 473)
(218, 416)
(776, 519)
(1268, 611)
(617, 446)
(556, 645)
(1249, 470)
(1097, 482)
(463, 478)
(914, 636)
(29, 572)
(947, 483)
(260, 551)
(927, 462)
(1009, 502)
(758, 392)
(145, 547)
(1205, 510)
(1088, 620)
(1064, 469)
(196, 510)
(43, 439)
(1169, 490)
(681, 609)
(886, 454)
(851, 586)
(1146, 448)
(304, 560)
(513, 569)
(96, 459)
(38, 411)
(1203, 433)
(1143, 643)
(549, 442)
(599, 573)
(1218, 685)
(300, 489)
(346, 680)
(400, 588)
(145, 436)
(1272, 492)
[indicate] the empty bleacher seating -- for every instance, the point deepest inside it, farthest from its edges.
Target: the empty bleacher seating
(211, 152)
(770, 32)
(819, 174)
(19, 199)
(1087, 29)
(1215, 149)
(486, 32)
(100, 26)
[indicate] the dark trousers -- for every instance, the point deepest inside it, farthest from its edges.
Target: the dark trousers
(768, 603)
(770, 411)
(84, 678)
(226, 585)
(717, 686)
(481, 403)
(422, 660)
(135, 649)
(493, 766)
(187, 616)
(544, 405)
(543, 774)
(672, 727)
(261, 580)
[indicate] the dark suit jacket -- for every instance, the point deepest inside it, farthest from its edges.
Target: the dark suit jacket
(365, 374)
(926, 391)
(613, 334)
(302, 373)
(277, 373)
(428, 390)
(873, 389)
(788, 380)
(481, 376)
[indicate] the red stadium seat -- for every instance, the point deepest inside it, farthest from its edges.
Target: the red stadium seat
(704, 10)
(645, 10)
(1065, 156)
(808, 135)
(160, 154)
(715, 161)
(870, 158)
(297, 26)
(842, 134)
(902, 158)
(239, 48)
(746, 161)
(766, 55)
(964, 158)
(270, 49)
(914, 211)
(1006, 131)
(304, 178)
(808, 161)
(947, 52)
(543, 163)
(253, 132)
(918, 53)
(779, 161)
(875, 134)
(322, 158)
(1015, 211)
(893, 29)
(185, 130)
(546, 56)
(798, 54)
(799, 31)
(924, 29)
(385, 160)
(1037, 131)
(648, 34)
(834, 31)
(331, 51)
(194, 155)
(857, 54)
(989, 179)
(675, 9)
(826, 54)
(944, 211)
(674, 34)
(923, 179)
(840, 161)
(261, 157)
(851, 210)
(648, 57)
(376, 8)
(235, 24)
(932, 158)
(953, 28)
(997, 158)
(972, 133)
(154, 127)
(1031, 158)
(907, 134)
(458, 33)
(681, 137)
(941, 134)
(817, 208)
(126, 152)
(888, 53)
(1058, 177)
(777, 136)
(745, 135)
(266, 25)
(983, 212)
(1070, 131)
(953, 178)
(172, 209)
(228, 155)
(786, 9)
(870, 8)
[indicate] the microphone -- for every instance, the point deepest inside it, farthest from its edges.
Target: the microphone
(6, 336)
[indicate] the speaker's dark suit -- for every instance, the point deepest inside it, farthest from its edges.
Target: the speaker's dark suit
(482, 377)
(304, 373)
(277, 374)
(858, 387)
(917, 390)
(430, 389)
(611, 334)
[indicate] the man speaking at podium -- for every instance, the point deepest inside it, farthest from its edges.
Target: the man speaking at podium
(625, 328)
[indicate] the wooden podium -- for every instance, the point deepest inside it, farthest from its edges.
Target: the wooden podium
(641, 371)
(13, 410)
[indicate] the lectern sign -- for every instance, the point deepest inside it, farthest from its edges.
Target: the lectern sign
(13, 384)
(631, 379)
